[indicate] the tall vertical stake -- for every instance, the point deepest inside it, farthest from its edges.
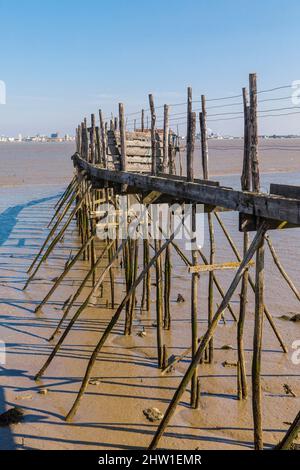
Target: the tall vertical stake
(122, 138)
(204, 146)
(143, 120)
(257, 347)
(189, 112)
(194, 293)
(153, 135)
(254, 133)
(92, 138)
(204, 154)
(246, 186)
(166, 139)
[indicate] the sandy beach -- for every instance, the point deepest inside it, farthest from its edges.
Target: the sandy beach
(111, 413)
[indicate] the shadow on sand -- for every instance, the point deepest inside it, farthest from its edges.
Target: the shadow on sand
(6, 437)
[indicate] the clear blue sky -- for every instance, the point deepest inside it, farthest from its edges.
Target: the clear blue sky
(62, 60)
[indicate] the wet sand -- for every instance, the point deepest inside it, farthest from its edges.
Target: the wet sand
(111, 414)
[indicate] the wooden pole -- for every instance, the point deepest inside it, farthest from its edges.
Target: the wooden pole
(246, 186)
(74, 191)
(246, 174)
(189, 112)
(122, 138)
(204, 145)
(252, 284)
(257, 347)
(291, 435)
(166, 139)
(281, 268)
(194, 286)
(159, 303)
(203, 257)
(109, 328)
(103, 140)
(143, 120)
(167, 289)
(65, 195)
(64, 273)
(254, 133)
(86, 140)
(54, 242)
(76, 316)
(98, 145)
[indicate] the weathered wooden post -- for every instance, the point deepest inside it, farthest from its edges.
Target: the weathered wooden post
(291, 435)
(166, 139)
(246, 186)
(206, 338)
(257, 348)
(98, 145)
(259, 282)
(103, 139)
(143, 120)
(92, 138)
(253, 133)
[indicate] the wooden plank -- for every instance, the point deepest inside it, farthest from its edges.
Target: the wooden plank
(262, 205)
(203, 268)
